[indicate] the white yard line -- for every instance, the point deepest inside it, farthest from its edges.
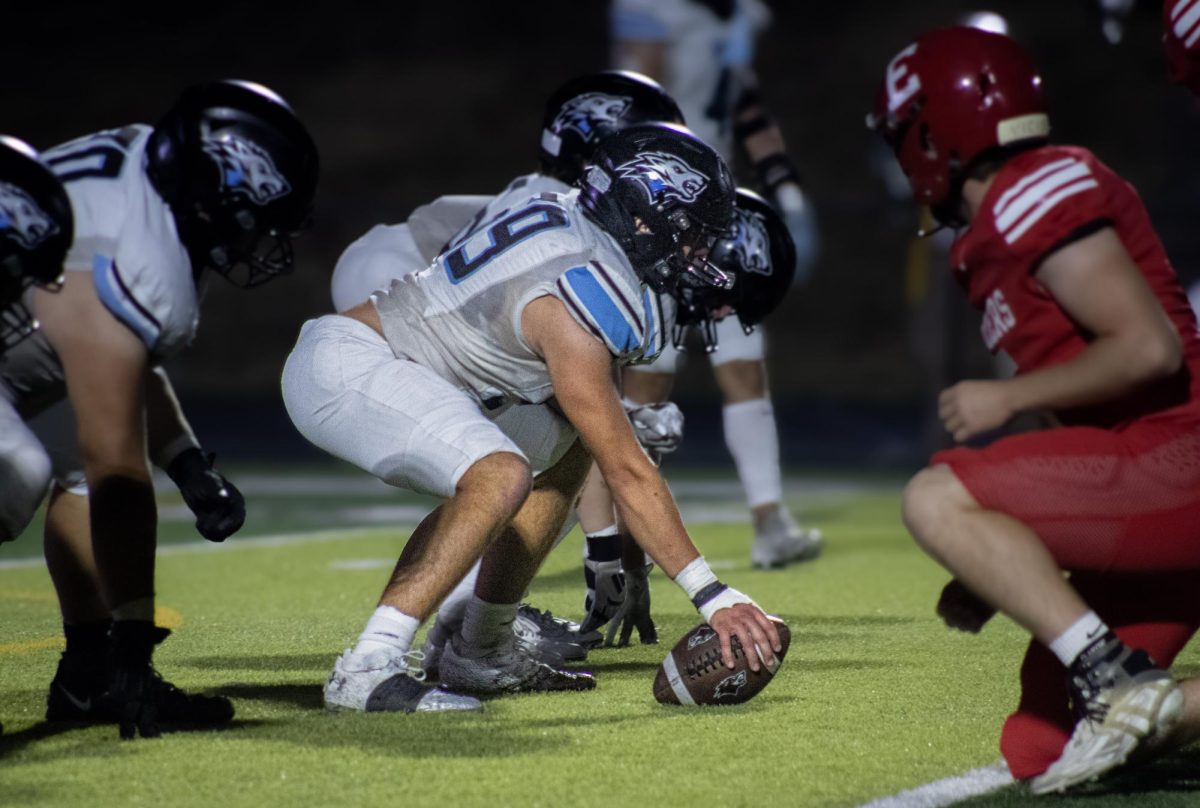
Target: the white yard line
(949, 790)
(275, 540)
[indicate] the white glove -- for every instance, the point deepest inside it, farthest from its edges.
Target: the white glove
(658, 427)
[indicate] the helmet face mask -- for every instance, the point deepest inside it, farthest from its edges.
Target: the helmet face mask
(951, 99)
(665, 196)
(239, 171)
(586, 109)
(36, 230)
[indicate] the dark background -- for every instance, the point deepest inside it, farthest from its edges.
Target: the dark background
(410, 101)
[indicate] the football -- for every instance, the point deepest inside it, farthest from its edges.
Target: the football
(693, 672)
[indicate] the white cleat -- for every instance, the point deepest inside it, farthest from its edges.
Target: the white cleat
(780, 541)
(1137, 716)
(508, 669)
(385, 682)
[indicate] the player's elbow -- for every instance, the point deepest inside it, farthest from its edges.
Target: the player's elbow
(1161, 353)
(629, 476)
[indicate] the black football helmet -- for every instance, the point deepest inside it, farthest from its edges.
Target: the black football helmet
(239, 171)
(665, 196)
(36, 230)
(758, 253)
(587, 108)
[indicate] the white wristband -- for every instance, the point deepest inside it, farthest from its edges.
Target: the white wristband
(695, 576)
(728, 597)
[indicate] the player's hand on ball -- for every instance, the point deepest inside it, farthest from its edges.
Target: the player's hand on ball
(971, 408)
(961, 609)
(753, 629)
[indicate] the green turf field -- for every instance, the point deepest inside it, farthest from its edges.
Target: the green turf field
(875, 697)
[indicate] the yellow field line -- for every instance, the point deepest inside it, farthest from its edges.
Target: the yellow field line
(164, 616)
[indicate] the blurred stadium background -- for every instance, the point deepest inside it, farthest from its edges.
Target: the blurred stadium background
(408, 101)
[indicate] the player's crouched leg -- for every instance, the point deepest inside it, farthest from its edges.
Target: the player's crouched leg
(931, 502)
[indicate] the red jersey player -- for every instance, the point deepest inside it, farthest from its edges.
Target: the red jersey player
(1059, 254)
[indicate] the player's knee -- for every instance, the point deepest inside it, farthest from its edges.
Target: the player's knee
(929, 503)
(503, 478)
(24, 479)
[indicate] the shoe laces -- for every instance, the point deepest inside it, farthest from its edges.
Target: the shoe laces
(546, 622)
(1092, 688)
(411, 663)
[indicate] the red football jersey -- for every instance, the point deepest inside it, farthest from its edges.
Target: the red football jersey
(1041, 200)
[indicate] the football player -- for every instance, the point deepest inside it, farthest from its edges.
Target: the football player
(221, 182)
(537, 302)
(719, 99)
(1181, 41)
(758, 253)
(575, 118)
(36, 225)
(1059, 254)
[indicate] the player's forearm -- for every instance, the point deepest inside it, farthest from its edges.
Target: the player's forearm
(651, 515)
(1109, 368)
(167, 430)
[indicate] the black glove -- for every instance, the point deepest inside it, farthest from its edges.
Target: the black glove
(131, 686)
(962, 609)
(635, 611)
(219, 507)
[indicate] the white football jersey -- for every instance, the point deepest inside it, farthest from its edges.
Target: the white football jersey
(706, 61)
(461, 316)
(125, 237)
(389, 251)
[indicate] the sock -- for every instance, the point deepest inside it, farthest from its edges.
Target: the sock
(487, 626)
(450, 613)
(603, 545)
(1087, 631)
(388, 629)
(140, 609)
(87, 640)
(753, 441)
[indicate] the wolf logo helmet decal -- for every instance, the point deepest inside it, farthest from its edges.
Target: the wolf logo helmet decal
(246, 168)
(751, 244)
(589, 113)
(665, 177)
(21, 219)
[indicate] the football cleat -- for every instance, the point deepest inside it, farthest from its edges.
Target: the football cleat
(1126, 704)
(88, 691)
(780, 541)
(552, 637)
(508, 669)
(382, 682)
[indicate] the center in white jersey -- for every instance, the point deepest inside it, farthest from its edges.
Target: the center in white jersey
(461, 316)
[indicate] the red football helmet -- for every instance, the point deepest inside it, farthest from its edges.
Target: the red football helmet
(951, 96)
(1181, 37)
